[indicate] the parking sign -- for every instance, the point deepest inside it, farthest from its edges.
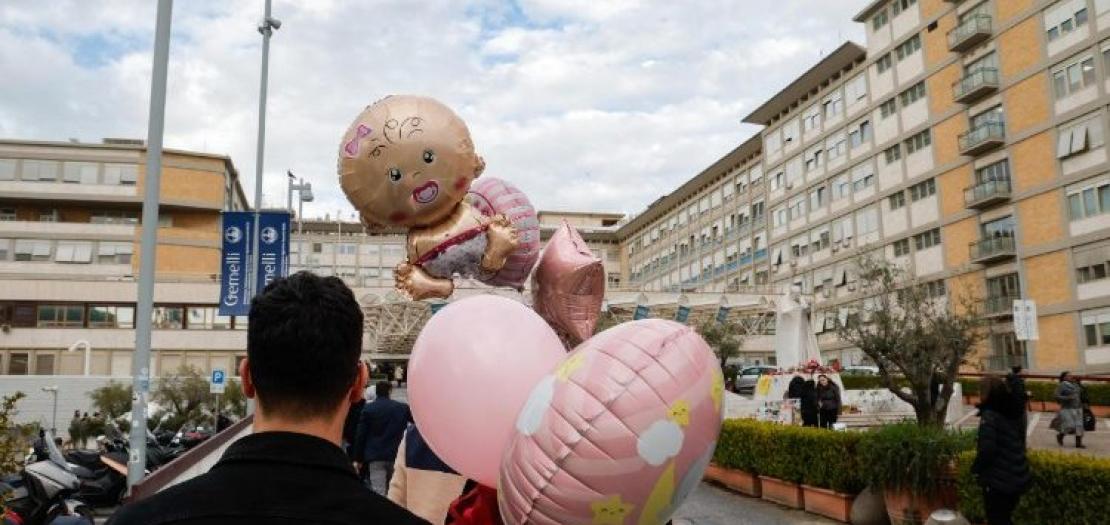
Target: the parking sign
(218, 382)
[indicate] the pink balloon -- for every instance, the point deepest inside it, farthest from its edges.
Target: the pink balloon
(568, 285)
(620, 433)
(471, 370)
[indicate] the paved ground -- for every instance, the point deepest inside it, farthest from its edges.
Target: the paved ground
(1043, 437)
(712, 505)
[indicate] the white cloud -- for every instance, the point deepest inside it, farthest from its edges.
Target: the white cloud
(583, 104)
(660, 442)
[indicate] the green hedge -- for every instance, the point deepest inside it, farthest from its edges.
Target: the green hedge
(1067, 489)
(1041, 390)
(816, 457)
(908, 456)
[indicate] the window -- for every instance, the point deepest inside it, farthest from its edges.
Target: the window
(168, 317)
(991, 116)
(901, 5)
(998, 228)
(888, 108)
(1004, 286)
(114, 217)
(7, 169)
(73, 252)
(780, 217)
(349, 249)
(834, 105)
(835, 146)
(879, 20)
(114, 253)
(918, 141)
(207, 318)
(778, 180)
(121, 174)
(5, 249)
(1072, 77)
(999, 171)
(790, 131)
(863, 177)
(897, 200)
(819, 239)
(987, 61)
(813, 159)
(32, 250)
(7, 214)
(1084, 202)
(317, 247)
(927, 239)
(817, 198)
(80, 172)
(893, 154)
(867, 221)
(17, 363)
(884, 63)
(907, 48)
(111, 316)
(811, 119)
(40, 170)
(923, 189)
(842, 187)
(1063, 23)
(855, 89)
(1079, 138)
(913, 94)
(1094, 272)
(934, 289)
(67, 315)
(859, 134)
(797, 208)
(44, 364)
(901, 247)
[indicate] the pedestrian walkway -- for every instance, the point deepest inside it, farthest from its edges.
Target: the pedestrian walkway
(712, 505)
(1042, 437)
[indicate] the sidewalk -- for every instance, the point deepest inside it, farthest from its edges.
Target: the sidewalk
(712, 505)
(1041, 437)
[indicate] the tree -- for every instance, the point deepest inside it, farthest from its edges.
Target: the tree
(912, 335)
(11, 437)
(183, 393)
(113, 400)
(233, 402)
(724, 338)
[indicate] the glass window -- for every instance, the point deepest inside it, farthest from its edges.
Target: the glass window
(66, 315)
(884, 63)
(1003, 227)
(1092, 334)
(1104, 328)
(17, 363)
(1081, 17)
(168, 317)
(1075, 207)
(111, 316)
(44, 364)
(80, 172)
(7, 169)
(207, 318)
(1089, 203)
(893, 154)
(897, 200)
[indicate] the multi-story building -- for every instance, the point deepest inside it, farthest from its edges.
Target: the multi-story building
(69, 258)
(965, 142)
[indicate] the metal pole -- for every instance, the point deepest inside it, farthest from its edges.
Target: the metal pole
(140, 364)
(54, 416)
(300, 212)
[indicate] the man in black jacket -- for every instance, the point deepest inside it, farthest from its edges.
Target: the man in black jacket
(1000, 466)
(302, 366)
(381, 426)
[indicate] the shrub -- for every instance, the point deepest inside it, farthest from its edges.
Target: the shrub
(816, 457)
(1046, 390)
(1066, 489)
(911, 457)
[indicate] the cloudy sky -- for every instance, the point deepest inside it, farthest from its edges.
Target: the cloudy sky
(585, 104)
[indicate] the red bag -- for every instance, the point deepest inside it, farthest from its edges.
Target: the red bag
(477, 506)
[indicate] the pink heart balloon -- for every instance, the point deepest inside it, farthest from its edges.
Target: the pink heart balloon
(569, 285)
(620, 433)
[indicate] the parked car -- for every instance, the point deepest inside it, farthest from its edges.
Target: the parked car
(860, 370)
(745, 382)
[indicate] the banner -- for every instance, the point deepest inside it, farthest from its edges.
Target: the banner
(235, 257)
(436, 307)
(682, 314)
(641, 313)
(722, 314)
(273, 248)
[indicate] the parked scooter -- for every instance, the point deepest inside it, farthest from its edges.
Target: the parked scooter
(43, 490)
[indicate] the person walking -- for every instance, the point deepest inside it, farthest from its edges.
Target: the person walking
(380, 429)
(1070, 418)
(304, 337)
(422, 482)
(1000, 466)
(828, 401)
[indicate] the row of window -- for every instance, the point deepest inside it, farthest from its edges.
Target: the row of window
(69, 172)
(1089, 201)
(902, 51)
(80, 315)
(64, 251)
(1066, 24)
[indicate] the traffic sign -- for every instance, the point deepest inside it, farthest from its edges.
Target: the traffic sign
(218, 382)
(1025, 320)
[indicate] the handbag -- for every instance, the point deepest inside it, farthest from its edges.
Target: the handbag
(1055, 424)
(1088, 420)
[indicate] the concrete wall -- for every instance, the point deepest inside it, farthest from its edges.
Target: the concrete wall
(73, 394)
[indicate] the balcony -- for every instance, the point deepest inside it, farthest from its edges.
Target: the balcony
(1003, 362)
(969, 33)
(992, 249)
(987, 193)
(999, 305)
(982, 138)
(975, 85)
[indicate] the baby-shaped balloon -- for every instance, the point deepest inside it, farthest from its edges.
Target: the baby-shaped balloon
(408, 162)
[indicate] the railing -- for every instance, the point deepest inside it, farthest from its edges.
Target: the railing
(970, 32)
(975, 84)
(986, 192)
(1003, 362)
(998, 305)
(992, 248)
(982, 137)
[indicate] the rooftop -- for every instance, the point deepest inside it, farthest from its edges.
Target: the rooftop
(847, 54)
(866, 13)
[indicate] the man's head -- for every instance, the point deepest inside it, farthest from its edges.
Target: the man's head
(382, 389)
(303, 346)
(1016, 369)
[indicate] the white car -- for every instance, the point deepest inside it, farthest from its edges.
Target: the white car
(860, 370)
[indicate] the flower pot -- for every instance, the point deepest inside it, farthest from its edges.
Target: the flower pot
(908, 508)
(828, 503)
(782, 492)
(738, 480)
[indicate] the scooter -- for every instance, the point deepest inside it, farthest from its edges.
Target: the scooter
(43, 490)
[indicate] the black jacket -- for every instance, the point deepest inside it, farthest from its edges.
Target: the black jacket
(828, 397)
(270, 478)
(380, 430)
(1000, 461)
(350, 425)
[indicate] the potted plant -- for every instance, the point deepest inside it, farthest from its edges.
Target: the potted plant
(914, 466)
(832, 476)
(781, 466)
(734, 461)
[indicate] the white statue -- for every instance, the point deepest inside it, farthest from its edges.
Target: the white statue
(795, 342)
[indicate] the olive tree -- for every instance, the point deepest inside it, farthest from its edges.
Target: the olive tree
(724, 338)
(914, 335)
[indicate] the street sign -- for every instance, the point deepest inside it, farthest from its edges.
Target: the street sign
(218, 381)
(235, 259)
(1025, 320)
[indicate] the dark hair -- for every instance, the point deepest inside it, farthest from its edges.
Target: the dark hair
(1064, 375)
(382, 389)
(992, 389)
(1016, 369)
(303, 343)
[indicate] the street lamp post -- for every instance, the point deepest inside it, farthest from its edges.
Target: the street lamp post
(304, 194)
(88, 352)
(54, 416)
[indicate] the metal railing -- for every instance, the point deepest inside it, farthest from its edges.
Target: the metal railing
(987, 191)
(978, 25)
(979, 137)
(982, 79)
(992, 248)
(1003, 362)
(999, 304)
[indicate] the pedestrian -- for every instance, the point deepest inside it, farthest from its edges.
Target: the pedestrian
(350, 426)
(1000, 466)
(809, 406)
(380, 429)
(1070, 418)
(304, 338)
(399, 375)
(1019, 396)
(422, 482)
(828, 401)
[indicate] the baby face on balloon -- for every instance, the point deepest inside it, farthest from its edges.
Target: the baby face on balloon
(407, 162)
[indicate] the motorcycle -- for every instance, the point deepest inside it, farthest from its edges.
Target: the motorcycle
(43, 490)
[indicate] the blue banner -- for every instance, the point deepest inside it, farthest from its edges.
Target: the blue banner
(273, 248)
(436, 307)
(722, 314)
(235, 258)
(641, 313)
(682, 314)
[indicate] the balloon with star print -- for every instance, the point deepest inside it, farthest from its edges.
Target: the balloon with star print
(619, 434)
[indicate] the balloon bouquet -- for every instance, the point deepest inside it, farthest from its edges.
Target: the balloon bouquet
(617, 431)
